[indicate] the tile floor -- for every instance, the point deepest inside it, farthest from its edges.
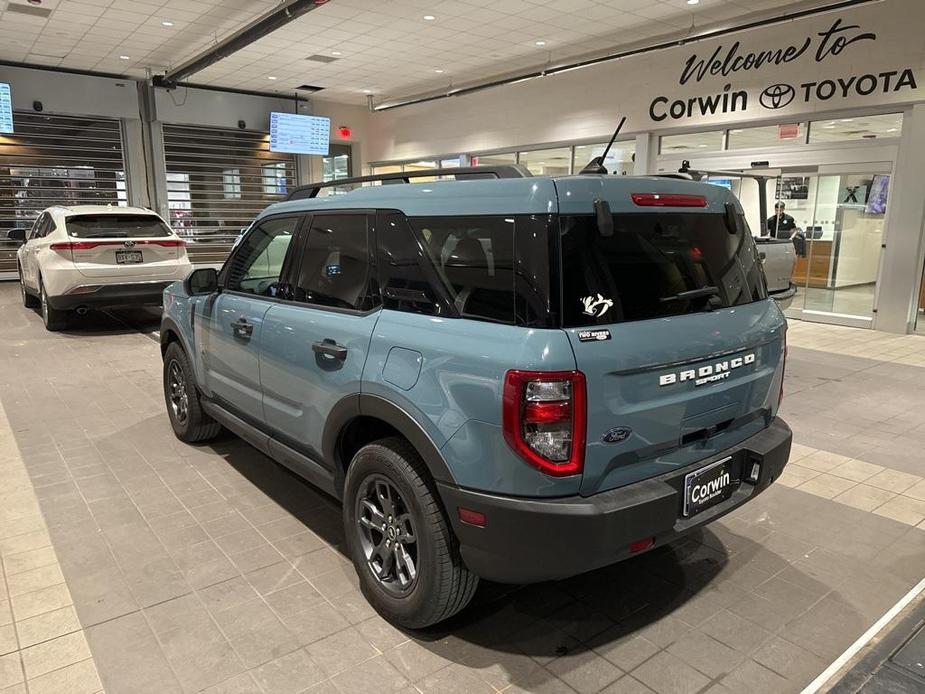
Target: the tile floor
(211, 569)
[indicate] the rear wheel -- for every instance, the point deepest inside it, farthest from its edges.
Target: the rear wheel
(402, 547)
(189, 421)
(28, 300)
(51, 317)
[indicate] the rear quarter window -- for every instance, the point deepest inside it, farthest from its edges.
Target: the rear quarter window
(650, 259)
(116, 226)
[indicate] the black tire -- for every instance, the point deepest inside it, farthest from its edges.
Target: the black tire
(189, 421)
(53, 319)
(28, 300)
(443, 585)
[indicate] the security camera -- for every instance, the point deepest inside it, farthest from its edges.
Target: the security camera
(38, 106)
(242, 125)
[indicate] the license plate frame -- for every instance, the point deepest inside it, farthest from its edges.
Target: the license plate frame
(709, 473)
(129, 258)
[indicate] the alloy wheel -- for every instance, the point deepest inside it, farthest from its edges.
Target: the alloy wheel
(176, 392)
(387, 535)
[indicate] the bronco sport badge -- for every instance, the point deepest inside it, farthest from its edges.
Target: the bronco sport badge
(709, 373)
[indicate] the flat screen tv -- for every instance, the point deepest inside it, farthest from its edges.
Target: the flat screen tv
(876, 197)
(295, 134)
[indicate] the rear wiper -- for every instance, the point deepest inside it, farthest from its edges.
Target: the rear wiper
(700, 293)
(109, 235)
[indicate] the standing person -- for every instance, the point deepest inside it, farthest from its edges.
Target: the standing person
(781, 225)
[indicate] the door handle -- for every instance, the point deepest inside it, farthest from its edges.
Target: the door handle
(329, 348)
(241, 328)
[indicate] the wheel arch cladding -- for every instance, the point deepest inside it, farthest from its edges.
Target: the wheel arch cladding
(360, 419)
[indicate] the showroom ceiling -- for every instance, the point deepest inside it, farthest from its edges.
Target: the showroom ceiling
(351, 48)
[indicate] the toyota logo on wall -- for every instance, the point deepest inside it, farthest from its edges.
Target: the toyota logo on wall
(777, 96)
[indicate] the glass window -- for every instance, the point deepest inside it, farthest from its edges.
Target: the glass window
(386, 168)
(274, 179)
(133, 226)
(767, 136)
(475, 258)
(335, 264)
(619, 159)
(548, 162)
(257, 263)
(231, 184)
(450, 163)
(858, 128)
(692, 142)
(649, 261)
(494, 159)
(406, 274)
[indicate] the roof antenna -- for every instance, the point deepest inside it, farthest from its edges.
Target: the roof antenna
(596, 165)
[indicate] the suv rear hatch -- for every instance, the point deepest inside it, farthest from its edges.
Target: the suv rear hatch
(675, 371)
(121, 245)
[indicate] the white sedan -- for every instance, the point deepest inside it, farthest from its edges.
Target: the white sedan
(97, 256)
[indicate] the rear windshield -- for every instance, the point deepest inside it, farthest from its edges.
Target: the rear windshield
(116, 226)
(639, 271)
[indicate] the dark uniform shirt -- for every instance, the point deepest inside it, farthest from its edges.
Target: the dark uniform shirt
(782, 228)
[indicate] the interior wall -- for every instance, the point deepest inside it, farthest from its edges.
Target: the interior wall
(68, 94)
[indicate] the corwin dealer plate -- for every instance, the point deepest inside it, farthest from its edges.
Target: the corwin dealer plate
(128, 257)
(708, 486)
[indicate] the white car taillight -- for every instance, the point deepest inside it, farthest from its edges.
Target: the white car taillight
(545, 417)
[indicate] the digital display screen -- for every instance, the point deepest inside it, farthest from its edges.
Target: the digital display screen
(6, 108)
(722, 182)
(876, 198)
(295, 134)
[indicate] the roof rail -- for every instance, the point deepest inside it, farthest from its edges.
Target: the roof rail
(463, 173)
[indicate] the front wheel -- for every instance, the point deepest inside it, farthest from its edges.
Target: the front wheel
(189, 421)
(402, 547)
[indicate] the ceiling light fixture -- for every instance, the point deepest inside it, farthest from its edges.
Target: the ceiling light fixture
(167, 23)
(124, 57)
(693, 2)
(429, 18)
(271, 77)
(438, 71)
(367, 91)
(540, 43)
(336, 53)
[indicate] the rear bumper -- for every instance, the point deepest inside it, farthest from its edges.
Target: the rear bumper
(784, 297)
(111, 295)
(530, 540)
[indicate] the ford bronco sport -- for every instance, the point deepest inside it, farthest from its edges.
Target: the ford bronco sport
(500, 376)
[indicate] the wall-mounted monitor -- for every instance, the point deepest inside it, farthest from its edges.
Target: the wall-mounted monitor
(6, 108)
(295, 134)
(722, 182)
(876, 198)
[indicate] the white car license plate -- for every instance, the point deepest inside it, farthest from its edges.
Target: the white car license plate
(708, 486)
(128, 257)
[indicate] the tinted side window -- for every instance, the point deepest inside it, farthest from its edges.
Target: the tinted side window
(257, 262)
(474, 257)
(639, 271)
(335, 264)
(39, 229)
(407, 276)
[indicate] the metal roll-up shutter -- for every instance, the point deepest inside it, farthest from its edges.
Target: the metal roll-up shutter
(218, 180)
(56, 160)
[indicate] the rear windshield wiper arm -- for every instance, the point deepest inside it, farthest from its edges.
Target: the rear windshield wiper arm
(700, 293)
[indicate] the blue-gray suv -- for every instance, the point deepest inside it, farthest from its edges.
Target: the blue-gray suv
(501, 376)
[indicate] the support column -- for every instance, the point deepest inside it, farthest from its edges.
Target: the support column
(133, 153)
(152, 135)
(646, 154)
(901, 262)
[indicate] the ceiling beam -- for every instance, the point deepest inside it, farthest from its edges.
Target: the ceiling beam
(265, 25)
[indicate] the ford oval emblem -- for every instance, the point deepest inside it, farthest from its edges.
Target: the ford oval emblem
(616, 435)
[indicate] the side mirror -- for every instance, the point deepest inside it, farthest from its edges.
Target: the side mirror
(201, 281)
(16, 235)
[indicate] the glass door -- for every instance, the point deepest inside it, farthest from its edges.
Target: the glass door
(838, 235)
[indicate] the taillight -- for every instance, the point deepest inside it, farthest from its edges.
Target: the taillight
(68, 246)
(668, 200)
(544, 419)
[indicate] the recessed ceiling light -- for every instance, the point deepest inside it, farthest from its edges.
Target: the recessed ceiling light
(271, 77)
(540, 43)
(438, 71)
(367, 91)
(124, 57)
(336, 53)
(167, 23)
(693, 2)
(429, 18)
